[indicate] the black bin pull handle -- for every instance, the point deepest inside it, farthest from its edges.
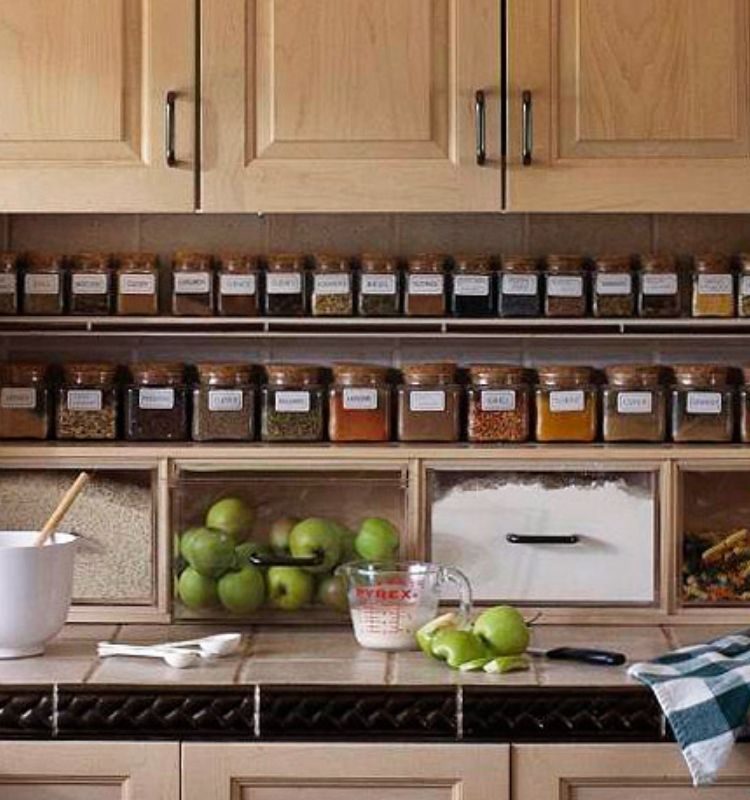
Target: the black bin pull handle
(547, 538)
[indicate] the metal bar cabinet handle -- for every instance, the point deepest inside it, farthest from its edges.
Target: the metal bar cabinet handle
(169, 129)
(527, 128)
(566, 539)
(480, 121)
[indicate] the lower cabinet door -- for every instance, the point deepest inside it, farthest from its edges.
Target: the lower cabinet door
(620, 772)
(345, 772)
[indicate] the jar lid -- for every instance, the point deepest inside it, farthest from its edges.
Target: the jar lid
(136, 262)
(19, 373)
(557, 264)
(237, 263)
(91, 262)
(497, 374)
(170, 373)
(427, 263)
(634, 375)
(8, 262)
(224, 374)
(701, 374)
(713, 263)
(359, 374)
(293, 374)
(472, 264)
(286, 262)
(191, 262)
(613, 264)
(331, 263)
(44, 262)
(520, 264)
(90, 374)
(565, 375)
(378, 262)
(425, 374)
(658, 262)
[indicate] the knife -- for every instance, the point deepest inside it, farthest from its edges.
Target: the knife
(586, 655)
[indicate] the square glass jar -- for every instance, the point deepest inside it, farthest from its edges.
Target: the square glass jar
(44, 284)
(359, 404)
(566, 404)
(192, 285)
(223, 404)
(425, 294)
(286, 286)
(137, 284)
(90, 284)
(238, 285)
(519, 287)
(566, 287)
(702, 404)
(614, 287)
(25, 401)
(333, 287)
(292, 404)
(9, 298)
(659, 290)
(714, 292)
(497, 404)
(634, 404)
(88, 403)
(472, 286)
(156, 403)
(429, 404)
(379, 286)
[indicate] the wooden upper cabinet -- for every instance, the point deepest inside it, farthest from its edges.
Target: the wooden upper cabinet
(82, 105)
(349, 105)
(635, 106)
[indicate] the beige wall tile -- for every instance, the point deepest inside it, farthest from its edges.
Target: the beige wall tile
(456, 233)
(336, 672)
(127, 671)
(589, 234)
(70, 233)
(336, 233)
(690, 233)
(321, 644)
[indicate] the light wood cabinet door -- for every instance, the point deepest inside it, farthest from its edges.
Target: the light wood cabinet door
(83, 105)
(635, 106)
(89, 771)
(349, 105)
(620, 772)
(345, 771)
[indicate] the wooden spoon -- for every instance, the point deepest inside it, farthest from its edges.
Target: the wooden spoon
(50, 526)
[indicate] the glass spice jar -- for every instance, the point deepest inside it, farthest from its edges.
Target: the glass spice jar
(90, 284)
(425, 287)
(634, 405)
(498, 404)
(743, 289)
(614, 295)
(25, 401)
(659, 292)
(192, 285)
(702, 404)
(379, 286)
(518, 287)
(292, 404)
(713, 286)
(43, 291)
(429, 404)
(156, 403)
(87, 403)
(333, 291)
(472, 289)
(8, 284)
(566, 404)
(137, 284)
(223, 404)
(286, 286)
(744, 399)
(238, 286)
(565, 287)
(359, 404)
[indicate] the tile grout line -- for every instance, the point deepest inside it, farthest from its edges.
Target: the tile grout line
(256, 711)
(55, 709)
(390, 666)
(459, 712)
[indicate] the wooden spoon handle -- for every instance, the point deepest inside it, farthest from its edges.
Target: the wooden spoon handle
(50, 526)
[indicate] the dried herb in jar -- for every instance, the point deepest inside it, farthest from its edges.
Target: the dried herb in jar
(43, 292)
(87, 403)
(498, 404)
(223, 404)
(713, 286)
(156, 403)
(238, 286)
(90, 284)
(25, 402)
(565, 282)
(425, 287)
(518, 288)
(634, 405)
(292, 404)
(473, 290)
(8, 283)
(429, 404)
(137, 284)
(333, 292)
(659, 287)
(192, 285)
(286, 286)
(566, 405)
(379, 286)
(359, 403)
(702, 404)
(614, 295)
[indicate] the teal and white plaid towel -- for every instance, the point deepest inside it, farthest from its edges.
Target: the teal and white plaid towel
(704, 692)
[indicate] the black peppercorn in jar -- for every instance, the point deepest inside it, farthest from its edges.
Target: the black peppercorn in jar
(156, 403)
(634, 404)
(473, 293)
(87, 403)
(333, 290)
(425, 287)
(292, 404)
(137, 284)
(702, 404)
(43, 284)
(429, 404)
(192, 285)
(286, 286)
(223, 404)
(659, 292)
(379, 286)
(498, 404)
(90, 284)
(518, 287)
(238, 286)
(565, 287)
(614, 295)
(713, 286)
(25, 401)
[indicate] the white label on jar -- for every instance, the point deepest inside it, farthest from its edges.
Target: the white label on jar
(569, 400)
(42, 284)
(704, 403)
(237, 285)
(426, 401)
(425, 284)
(89, 284)
(565, 286)
(360, 399)
(714, 284)
(520, 284)
(156, 399)
(614, 284)
(378, 284)
(84, 400)
(472, 285)
(7, 284)
(292, 402)
(137, 284)
(225, 400)
(192, 283)
(332, 284)
(634, 402)
(498, 400)
(660, 284)
(283, 283)
(11, 397)
(744, 285)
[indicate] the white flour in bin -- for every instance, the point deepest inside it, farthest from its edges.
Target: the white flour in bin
(389, 627)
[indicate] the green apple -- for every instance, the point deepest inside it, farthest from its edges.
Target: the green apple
(244, 551)
(211, 552)
(332, 593)
(503, 630)
(427, 632)
(185, 541)
(289, 588)
(242, 591)
(197, 591)
(456, 647)
(347, 537)
(377, 540)
(278, 536)
(316, 536)
(476, 665)
(231, 515)
(503, 664)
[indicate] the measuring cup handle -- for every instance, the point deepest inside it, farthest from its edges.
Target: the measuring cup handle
(458, 579)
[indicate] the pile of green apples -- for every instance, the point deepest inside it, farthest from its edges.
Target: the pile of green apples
(495, 641)
(214, 571)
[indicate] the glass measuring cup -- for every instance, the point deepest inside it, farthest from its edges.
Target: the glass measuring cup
(389, 602)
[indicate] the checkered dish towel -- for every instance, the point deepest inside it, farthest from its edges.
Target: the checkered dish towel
(704, 692)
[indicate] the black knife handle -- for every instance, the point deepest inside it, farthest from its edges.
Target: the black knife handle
(600, 658)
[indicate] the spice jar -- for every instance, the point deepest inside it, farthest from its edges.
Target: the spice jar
(744, 398)
(192, 285)
(292, 404)
(473, 292)
(238, 286)
(614, 295)
(713, 286)
(565, 287)
(156, 403)
(223, 404)
(429, 404)
(286, 286)
(25, 402)
(425, 287)
(379, 286)
(43, 284)
(743, 303)
(659, 287)
(87, 402)
(137, 284)
(518, 288)
(333, 292)
(498, 404)
(566, 405)
(702, 404)
(8, 283)
(634, 405)
(359, 404)
(90, 288)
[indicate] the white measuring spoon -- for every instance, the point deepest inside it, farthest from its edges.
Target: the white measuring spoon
(216, 645)
(179, 659)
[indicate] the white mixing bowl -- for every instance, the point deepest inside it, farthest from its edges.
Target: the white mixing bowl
(36, 584)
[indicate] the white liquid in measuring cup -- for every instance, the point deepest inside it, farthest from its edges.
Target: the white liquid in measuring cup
(389, 627)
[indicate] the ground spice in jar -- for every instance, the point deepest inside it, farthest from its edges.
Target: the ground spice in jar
(156, 403)
(137, 284)
(425, 287)
(614, 295)
(518, 288)
(292, 404)
(498, 404)
(192, 285)
(565, 287)
(713, 286)
(333, 290)
(43, 291)
(87, 403)
(702, 404)
(238, 286)
(566, 405)
(379, 286)
(25, 402)
(743, 289)
(223, 404)
(429, 404)
(472, 287)
(8, 283)
(359, 404)
(90, 284)
(286, 286)
(634, 405)
(659, 292)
